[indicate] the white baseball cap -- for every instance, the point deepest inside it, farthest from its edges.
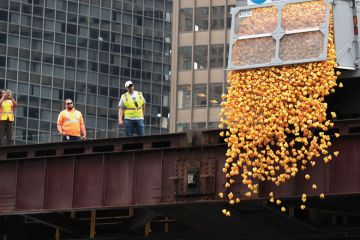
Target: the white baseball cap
(128, 83)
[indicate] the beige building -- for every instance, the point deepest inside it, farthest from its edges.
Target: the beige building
(199, 58)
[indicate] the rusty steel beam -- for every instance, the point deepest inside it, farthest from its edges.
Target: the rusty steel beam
(113, 173)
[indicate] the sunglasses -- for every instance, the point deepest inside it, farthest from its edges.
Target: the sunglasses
(68, 103)
(130, 86)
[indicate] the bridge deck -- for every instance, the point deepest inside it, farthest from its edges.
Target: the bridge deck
(65, 185)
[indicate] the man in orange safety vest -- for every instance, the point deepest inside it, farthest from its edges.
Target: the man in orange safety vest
(70, 123)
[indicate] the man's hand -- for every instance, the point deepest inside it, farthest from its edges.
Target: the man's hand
(62, 133)
(83, 137)
(121, 123)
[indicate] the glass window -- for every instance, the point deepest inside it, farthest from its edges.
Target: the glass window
(24, 65)
(36, 45)
(181, 127)
(49, 36)
(82, 42)
(59, 49)
(12, 63)
(59, 37)
(48, 58)
(200, 57)
(3, 39)
(80, 97)
(13, 40)
(25, 31)
(34, 78)
(14, 29)
(201, 19)
(217, 56)
(48, 47)
(184, 58)
(23, 76)
(58, 60)
(14, 18)
(34, 90)
(69, 73)
(199, 95)
(14, 6)
(59, 71)
(228, 17)
(200, 125)
(95, 12)
(183, 96)
(71, 28)
(80, 75)
(215, 91)
(45, 114)
(72, 7)
(217, 18)
(11, 74)
(37, 22)
(83, 31)
(34, 101)
(2, 61)
(47, 80)
(185, 20)
(36, 56)
(12, 52)
(84, 9)
(45, 92)
(38, 11)
(49, 13)
(23, 88)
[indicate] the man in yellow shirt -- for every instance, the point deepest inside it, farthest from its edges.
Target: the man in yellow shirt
(132, 109)
(70, 123)
(7, 106)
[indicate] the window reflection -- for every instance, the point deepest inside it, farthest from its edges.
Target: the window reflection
(201, 19)
(200, 57)
(215, 91)
(199, 95)
(181, 127)
(184, 58)
(217, 18)
(217, 56)
(186, 20)
(183, 97)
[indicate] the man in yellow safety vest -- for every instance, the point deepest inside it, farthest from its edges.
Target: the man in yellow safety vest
(7, 106)
(132, 110)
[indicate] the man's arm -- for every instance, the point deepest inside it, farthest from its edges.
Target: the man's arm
(82, 127)
(121, 112)
(2, 99)
(143, 106)
(121, 115)
(59, 124)
(13, 102)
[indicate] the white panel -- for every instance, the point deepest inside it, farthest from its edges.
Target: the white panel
(344, 34)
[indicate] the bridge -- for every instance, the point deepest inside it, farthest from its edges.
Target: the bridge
(137, 188)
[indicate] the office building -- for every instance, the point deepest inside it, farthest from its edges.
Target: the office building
(86, 50)
(199, 58)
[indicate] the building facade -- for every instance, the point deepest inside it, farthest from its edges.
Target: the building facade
(86, 50)
(199, 58)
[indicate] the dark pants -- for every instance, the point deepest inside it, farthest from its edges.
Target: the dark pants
(134, 126)
(6, 127)
(71, 138)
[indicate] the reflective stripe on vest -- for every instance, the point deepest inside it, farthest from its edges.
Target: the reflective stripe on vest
(131, 110)
(6, 112)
